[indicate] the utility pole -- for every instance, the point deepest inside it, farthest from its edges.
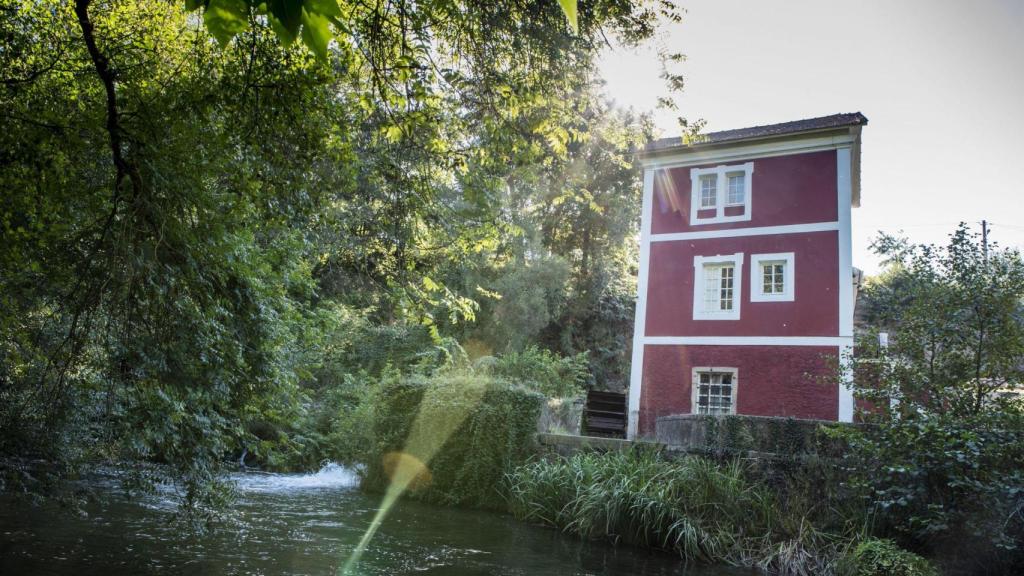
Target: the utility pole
(984, 239)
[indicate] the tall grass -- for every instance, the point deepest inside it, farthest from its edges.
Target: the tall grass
(705, 511)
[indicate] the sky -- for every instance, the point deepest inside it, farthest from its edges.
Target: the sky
(941, 82)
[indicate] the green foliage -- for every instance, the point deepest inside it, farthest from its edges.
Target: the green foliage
(692, 506)
(875, 557)
(225, 19)
(938, 466)
(958, 326)
(944, 483)
(199, 210)
(545, 372)
(495, 436)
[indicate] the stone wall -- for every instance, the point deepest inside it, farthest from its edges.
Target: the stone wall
(718, 434)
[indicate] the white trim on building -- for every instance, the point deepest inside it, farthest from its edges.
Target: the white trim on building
(750, 231)
(636, 368)
(844, 185)
(825, 341)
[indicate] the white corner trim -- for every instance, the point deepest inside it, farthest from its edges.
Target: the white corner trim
(721, 173)
(752, 231)
(844, 185)
(825, 341)
(699, 313)
(846, 403)
(636, 367)
(695, 385)
(757, 293)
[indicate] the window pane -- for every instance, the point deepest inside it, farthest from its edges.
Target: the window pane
(714, 394)
(737, 189)
(773, 277)
(708, 191)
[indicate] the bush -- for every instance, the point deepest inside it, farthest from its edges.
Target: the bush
(946, 484)
(544, 371)
(469, 431)
(876, 557)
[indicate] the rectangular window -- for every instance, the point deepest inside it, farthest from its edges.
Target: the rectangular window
(715, 392)
(709, 191)
(737, 189)
(774, 277)
(718, 287)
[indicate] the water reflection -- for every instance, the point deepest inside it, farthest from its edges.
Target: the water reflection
(300, 524)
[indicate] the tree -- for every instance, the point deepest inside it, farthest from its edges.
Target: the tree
(938, 466)
(957, 325)
(186, 208)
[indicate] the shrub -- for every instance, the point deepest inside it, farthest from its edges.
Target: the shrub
(469, 431)
(544, 371)
(945, 483)
(874, 557)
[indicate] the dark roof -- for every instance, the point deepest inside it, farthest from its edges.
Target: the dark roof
(808, 125)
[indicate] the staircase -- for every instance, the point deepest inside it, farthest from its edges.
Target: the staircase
(605, 414)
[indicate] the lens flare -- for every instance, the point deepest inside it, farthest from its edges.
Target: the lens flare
(443, 409)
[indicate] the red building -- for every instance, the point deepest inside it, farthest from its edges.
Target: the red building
(746, 286)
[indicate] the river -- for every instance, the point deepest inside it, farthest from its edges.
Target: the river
(299, 524)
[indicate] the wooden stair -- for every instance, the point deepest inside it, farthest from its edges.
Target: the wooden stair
(605, 414)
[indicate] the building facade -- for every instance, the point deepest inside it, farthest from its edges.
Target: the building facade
(746, 285)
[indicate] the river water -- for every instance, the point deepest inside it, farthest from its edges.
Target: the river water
(300, 524)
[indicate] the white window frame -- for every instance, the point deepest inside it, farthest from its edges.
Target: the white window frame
(757, 293)
(721, 174)
(728, 187)
(699, 262)
(695, 386)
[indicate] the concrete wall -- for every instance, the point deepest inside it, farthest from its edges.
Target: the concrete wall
(744, 433)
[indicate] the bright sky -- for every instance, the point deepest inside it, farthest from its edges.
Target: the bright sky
(941, 82)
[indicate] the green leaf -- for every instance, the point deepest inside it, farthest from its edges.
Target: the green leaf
(226, 18)
(288, 16)
(193, 5)
(316, 33)
(569, 7)
(328, 8)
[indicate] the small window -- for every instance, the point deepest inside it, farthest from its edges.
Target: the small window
(772, 277)
(718, 287)
(714, 391)
(709, 191)
(737, 189)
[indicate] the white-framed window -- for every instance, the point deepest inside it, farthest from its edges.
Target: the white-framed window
(719, 188)
(772, 277)
(737, 189)
(717, 287)
(714, 391)
(708, 191)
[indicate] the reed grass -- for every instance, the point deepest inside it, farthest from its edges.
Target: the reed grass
(703, 510)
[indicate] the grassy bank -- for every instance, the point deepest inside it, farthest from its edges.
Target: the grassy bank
(705, 511)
